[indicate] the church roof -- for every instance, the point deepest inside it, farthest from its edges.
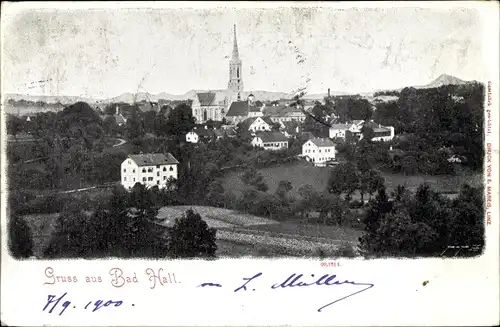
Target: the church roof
(153, 159)
(238, 108)
(206, 99)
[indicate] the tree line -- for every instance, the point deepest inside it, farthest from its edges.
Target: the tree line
(124, 225)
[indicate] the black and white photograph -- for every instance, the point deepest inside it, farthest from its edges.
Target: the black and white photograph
(232, 132)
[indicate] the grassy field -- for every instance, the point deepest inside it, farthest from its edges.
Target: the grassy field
(238, 235)
(301, 174)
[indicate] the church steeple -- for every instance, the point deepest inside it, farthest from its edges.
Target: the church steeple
(235, 85)
(236, 55)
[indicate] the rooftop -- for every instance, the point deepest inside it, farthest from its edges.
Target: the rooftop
(322, 142)
(153, 159)
(272, 137)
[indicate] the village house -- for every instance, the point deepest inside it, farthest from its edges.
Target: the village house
(255, 124)
(148, 169)
(339, 130)
(319, 151)
(270, 141)
(201, 134)
(380, 133)
(119, 118)
(208, 106)
(282, 113)
(241, 110)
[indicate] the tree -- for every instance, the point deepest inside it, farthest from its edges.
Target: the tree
(368, 133)
(283, 188)
(254, 178)
(343, 180)
(409, 165)
(191, 237)
(180, 121)
(20, 238)
(215, 194)
(135, 127)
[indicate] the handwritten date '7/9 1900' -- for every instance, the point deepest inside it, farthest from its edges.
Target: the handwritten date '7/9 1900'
(297, 281)
(92, 306)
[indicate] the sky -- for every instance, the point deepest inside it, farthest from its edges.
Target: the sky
(104, 53)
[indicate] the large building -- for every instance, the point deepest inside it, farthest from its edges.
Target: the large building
(319, 151)
(208, 106)
(270, 141)
(153, 169)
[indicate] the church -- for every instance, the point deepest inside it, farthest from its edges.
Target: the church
(213, 105)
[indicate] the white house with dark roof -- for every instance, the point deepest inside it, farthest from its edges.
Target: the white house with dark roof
(380, 133)
(270, 141)
(319, 151)
(208, 106)
(255, 124)
(339, 130)
(282, 113)
(153, 169)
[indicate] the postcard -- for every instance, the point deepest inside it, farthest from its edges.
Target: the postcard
(250, 164)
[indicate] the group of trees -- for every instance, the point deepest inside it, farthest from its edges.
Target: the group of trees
(450, 116)
(424, 223)
(348, 178)
(127, 225)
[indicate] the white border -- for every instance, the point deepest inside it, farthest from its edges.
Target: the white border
(459, 292)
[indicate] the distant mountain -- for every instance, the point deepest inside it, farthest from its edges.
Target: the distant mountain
(130, 97)
(443, 79)
(47, 98)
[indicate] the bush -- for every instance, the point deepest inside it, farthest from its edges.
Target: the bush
(191, 237)
(20, 238)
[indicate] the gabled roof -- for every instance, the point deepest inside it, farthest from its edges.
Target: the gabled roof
(205, 132)
(253, 108)
(340, 126)
(206, 99)
(249, 121)
(273, 110)
(120, 119)
(322, 142)
(381, 130)
(272, 137)
(238, 108)
(153, 159)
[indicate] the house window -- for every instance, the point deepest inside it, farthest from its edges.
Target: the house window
(158, 182)
(144, 179)
(124, 170)
(157, 173)
(150, 170)
(164, 177)
(134, 179)
(150, 179)
(157, 166)
(143, 170)
(164, 168)
(133, 171)
(129, 162)
(171, 169)
(124, 179)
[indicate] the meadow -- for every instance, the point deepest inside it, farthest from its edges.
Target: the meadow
(302, 174)
(238, 234)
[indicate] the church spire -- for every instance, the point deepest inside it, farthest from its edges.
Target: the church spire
(236, 55)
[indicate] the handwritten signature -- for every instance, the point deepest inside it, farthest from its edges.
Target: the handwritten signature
(91, 305)
(298, 280)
